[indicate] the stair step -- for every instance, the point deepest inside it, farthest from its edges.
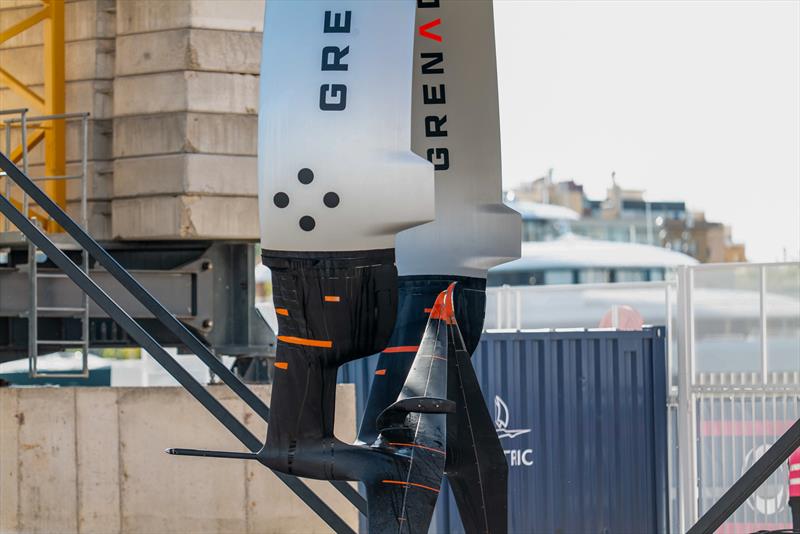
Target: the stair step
(51, 275)
(65, 309)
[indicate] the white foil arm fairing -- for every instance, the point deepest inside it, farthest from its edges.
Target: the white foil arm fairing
(336, 170)
(457, 127)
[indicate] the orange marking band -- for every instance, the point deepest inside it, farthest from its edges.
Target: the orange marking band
(282, 311)
(380, 372)
(404, 348)
(416, 446)
(401, 483)
(428, 310)
(282, 365)
(307, 342)
(332, 298)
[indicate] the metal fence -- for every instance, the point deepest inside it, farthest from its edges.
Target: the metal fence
(738, 389)
(734, 368)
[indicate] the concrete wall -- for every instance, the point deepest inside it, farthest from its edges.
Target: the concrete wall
(185, 104)
(92, 460)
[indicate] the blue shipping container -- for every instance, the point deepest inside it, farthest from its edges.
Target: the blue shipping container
(582, 417)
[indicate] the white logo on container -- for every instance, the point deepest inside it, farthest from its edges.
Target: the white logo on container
(516, 457)
(501, 420)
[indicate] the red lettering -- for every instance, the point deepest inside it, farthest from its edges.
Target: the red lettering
(423, 30)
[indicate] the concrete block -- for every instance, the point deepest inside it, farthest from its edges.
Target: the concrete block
(83, 19)
(200, 174)
(271, 508)
(98, 136)
(92, 460)
(99, 183)
(94, 96)
(47, 461)
(203, 495)
(97, 459)
(84, 60)
(99, 179)
(11, 4)
(10, 421)
(211, 92)
(171, 133)
(188, 49)
(185, 217)
(137, 16)
(99, 215)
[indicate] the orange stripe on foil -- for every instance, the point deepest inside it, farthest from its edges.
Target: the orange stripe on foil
(401, 483)
(404, 348)
(307, 342)
(380, 372)
(281, 311)
(332, 298)
(428, 310)
(416, 446)
(282, 365)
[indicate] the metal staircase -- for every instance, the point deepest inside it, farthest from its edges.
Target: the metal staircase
(80, 310)
(35, 311)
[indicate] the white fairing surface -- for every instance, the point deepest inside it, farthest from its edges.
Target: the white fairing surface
(336, 170)
(456, 126)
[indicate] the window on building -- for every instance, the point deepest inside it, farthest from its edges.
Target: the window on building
(594, 276)
(558, 276)
(630, 275)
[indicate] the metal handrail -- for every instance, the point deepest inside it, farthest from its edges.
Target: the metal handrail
(57, 116)
(26, 122)
(22, 112)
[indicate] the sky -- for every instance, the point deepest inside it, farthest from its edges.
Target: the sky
(693, 101)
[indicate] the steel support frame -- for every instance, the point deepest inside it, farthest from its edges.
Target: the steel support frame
(148, 343)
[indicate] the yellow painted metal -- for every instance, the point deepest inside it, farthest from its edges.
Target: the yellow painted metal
(55, 154)
(23, 25)
(20, 88)
(52, 102)
(33, 140)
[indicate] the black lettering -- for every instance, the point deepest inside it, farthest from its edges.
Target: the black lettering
(427, 3)
(433, 126)
(436, 58)
(338, 54)
(338, 93)
(436, 95)
(442, 156)
(337, 26)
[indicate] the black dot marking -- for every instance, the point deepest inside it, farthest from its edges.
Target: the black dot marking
(306, 176)
(307, 223)
(331, 199)
(281, 200)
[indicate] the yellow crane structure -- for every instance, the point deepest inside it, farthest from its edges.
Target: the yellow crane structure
(51, 102)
